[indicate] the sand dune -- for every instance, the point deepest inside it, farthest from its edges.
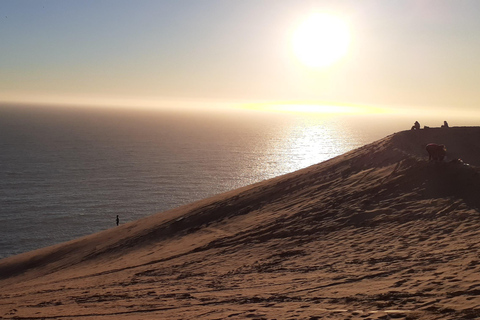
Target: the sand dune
(377, 233)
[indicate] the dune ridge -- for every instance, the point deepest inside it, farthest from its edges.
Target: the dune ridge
(377, 233)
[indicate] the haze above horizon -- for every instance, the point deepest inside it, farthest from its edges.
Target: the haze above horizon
(313, 56)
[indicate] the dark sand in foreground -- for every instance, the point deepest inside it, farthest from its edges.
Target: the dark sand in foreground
(377, 233)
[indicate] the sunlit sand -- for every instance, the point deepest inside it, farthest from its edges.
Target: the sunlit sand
(377, 233)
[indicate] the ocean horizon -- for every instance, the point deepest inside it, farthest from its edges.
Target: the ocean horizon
(67, 173)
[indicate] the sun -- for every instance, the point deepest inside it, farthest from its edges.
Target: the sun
(321, 40)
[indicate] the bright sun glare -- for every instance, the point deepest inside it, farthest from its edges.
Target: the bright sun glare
(313, 108)
(321, 40)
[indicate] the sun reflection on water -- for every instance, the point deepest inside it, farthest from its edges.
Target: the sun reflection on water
(299, 143)
(313, 140)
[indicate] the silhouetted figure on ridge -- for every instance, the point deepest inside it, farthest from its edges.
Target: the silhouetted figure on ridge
(445, 124)
(416, 126)
(118, 220)
(436, 152)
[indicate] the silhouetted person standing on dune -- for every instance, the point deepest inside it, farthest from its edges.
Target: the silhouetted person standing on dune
(118, 220)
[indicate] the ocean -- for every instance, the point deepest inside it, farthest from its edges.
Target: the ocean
(68, 172)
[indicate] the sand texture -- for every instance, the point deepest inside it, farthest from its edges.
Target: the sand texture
(377, 233)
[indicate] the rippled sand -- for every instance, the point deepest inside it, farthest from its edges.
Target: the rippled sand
(377, 233)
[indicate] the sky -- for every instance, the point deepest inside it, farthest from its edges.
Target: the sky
(406, 55)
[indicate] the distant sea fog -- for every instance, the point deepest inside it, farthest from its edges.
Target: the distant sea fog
(68, 172)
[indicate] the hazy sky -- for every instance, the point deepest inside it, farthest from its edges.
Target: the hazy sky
(404, 54)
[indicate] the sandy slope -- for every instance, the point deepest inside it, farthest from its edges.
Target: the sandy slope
(377, 233)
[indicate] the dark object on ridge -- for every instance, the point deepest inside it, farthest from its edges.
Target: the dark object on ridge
(416, 126)
(118, 220)
(458, 161)
(445, 124)
(436, 152)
